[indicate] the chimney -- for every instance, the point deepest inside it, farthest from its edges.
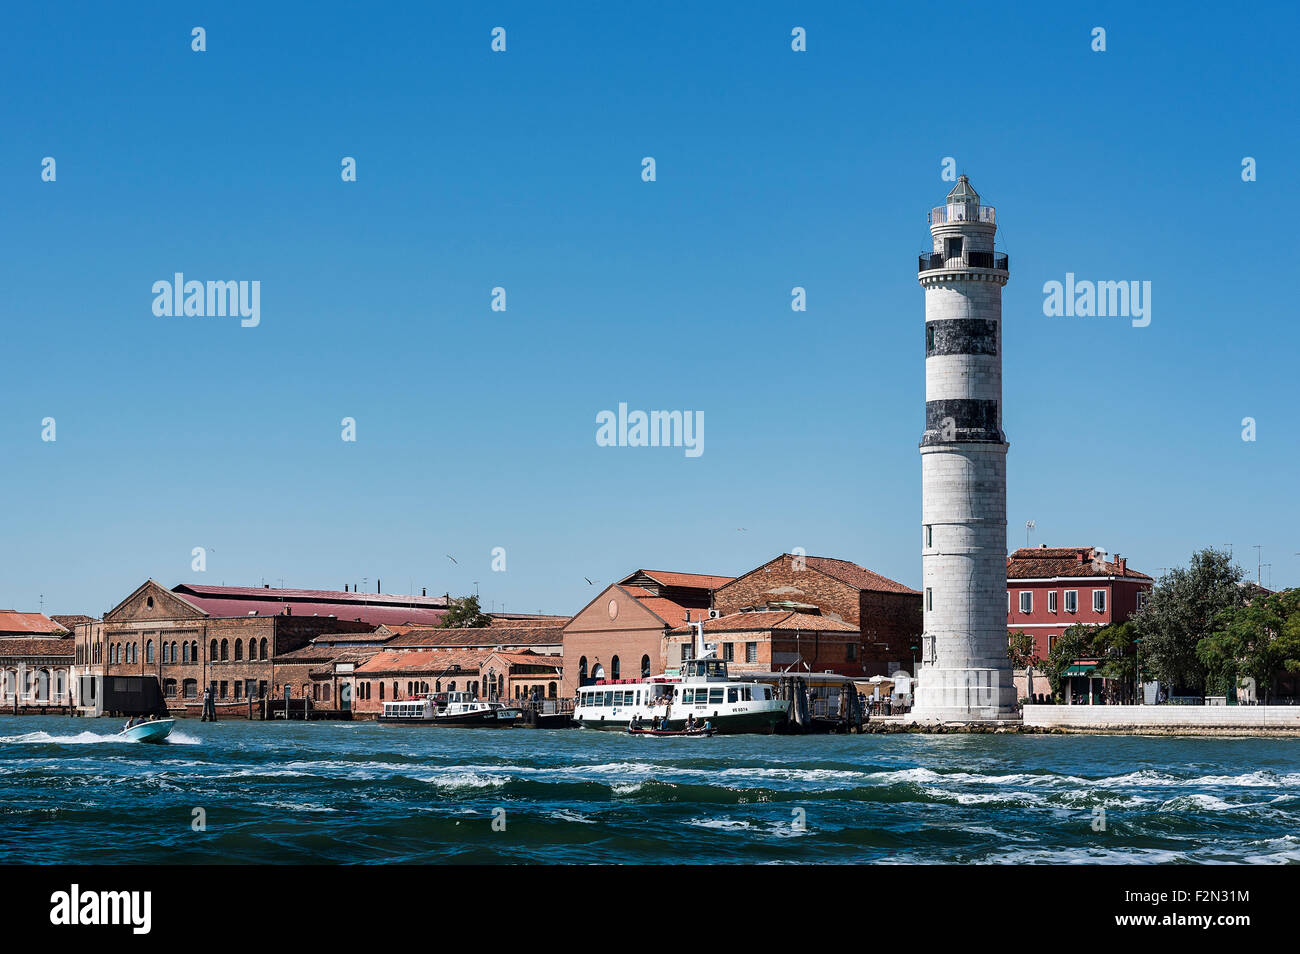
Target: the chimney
(379, 585)
(1079, 556)
(424, 591)
(266, 586)
(1123, 563)
(345, 587)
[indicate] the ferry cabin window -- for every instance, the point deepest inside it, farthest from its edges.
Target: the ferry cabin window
(715, 695)
(609, 698)
(688, 695)
(733, 694)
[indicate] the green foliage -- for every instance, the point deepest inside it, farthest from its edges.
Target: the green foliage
(465, 613)
(1021, 651)
(1181, 612)
(1074, 643)
(1256, 640)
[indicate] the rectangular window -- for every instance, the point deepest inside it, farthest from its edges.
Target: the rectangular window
(224, 688)
(751, 652)
(851, 652)
(929, 599)
(1051, 602)
(733, 695)
(609, 698)
(688, 651)
(729, 651)
(1142, 598)
(929, 535)
(715, 695)
(1026, 601)
(688, 695)
(1099, 601)
(1072, 601)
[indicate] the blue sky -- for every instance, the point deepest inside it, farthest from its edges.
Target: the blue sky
(476, 429)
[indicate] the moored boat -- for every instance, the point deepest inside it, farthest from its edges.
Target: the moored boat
(450, 709)
(154, 730)
(703, 691)
(665, 733)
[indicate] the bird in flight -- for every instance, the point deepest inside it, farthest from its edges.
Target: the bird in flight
(452, 559)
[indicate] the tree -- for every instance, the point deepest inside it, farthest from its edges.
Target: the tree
(1181, 612)
(465, 613)
(1074, 643)
(1021, 650)
(1257, 640)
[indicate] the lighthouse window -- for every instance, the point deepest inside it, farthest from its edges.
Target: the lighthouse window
(929, 598)
(929, 535)
(954, 248)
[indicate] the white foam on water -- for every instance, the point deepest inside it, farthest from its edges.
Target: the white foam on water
(81, 738)
(178, 737)
(296, 806)
(457, 780)
(565, 815)
(725, 824)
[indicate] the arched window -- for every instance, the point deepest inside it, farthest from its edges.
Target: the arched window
(252, 649)
(613, 668)
(262, 651)
(326, 692)
(135, 652)
(645, 667)
(239, 649)
(582, 671)
(394, 688)
(148, 651)
(225, 650)
(598, 673)
(550, 691)
(381, 692)
(190, 688)
(167, 653)
(451, 686)
(173, 652)
(194, 650)
(212, 650)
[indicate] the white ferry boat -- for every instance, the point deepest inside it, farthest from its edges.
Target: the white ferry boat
(450, 709)
(703, 690)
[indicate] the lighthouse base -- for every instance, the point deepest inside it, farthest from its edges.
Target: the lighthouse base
(964, 695)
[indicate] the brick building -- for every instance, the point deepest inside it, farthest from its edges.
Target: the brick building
(390, 676)
(159, 632)
(774, 639)
(36, 659)
(1049, 589)
(622, 633)
(886, 613)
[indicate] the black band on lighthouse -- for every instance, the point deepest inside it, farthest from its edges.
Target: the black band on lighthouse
(961, 336)
(961, 419)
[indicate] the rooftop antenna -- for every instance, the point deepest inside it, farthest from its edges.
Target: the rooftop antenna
(1029, 525)
(1259, 565)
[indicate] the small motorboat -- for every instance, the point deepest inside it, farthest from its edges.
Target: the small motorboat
(646, 730)
(153, 730)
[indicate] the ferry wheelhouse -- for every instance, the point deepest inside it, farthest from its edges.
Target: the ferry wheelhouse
(449, 709)
(704, 690)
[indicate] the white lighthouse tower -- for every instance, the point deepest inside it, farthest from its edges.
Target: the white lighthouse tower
(965, 675)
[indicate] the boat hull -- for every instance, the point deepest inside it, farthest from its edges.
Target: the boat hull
(490, 719)
(155, 731)
(763, 721)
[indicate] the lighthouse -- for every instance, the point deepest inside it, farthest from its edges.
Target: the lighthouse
(965, 675)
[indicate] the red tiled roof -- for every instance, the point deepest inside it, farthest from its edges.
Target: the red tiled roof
(431, 661)
(532, 659)
(267, 594)
(855, 575)
(1030, 563)
(784, 620)
(221, 606)
(672, 578)
(481, 636)
(11, 621)
(13, 646)
(668, 611)
(67, 622)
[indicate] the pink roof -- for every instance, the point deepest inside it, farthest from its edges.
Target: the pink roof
(391, 615)
(320, 596)
(11, 621)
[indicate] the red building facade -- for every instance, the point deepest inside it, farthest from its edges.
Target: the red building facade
(1050, 589)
